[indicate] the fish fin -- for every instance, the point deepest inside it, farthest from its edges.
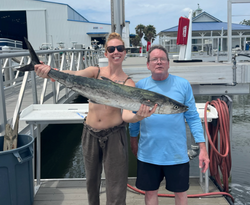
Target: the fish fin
(34, 57)
(104, 78)
(28, 67)
(146, 102)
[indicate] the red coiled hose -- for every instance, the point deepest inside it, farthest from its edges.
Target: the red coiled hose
(219, 144)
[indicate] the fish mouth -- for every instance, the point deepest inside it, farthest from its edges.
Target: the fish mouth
(184, 109)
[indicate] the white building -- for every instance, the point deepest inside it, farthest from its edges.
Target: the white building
(208, 32)
(49, 22)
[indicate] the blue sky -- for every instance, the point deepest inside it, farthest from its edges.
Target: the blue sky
(162, 14)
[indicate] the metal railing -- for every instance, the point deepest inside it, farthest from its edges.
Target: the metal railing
(12, 81)
(9, 44)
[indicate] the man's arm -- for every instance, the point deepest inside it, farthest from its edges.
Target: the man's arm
(134, 145)
(194, 122)
(134, 129)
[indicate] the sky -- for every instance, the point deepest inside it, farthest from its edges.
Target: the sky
(162, 14)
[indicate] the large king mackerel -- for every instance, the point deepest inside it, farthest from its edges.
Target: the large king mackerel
(108, 92)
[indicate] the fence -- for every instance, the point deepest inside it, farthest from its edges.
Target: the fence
(13, 82)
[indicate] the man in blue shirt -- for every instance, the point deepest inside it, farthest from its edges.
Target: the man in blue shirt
(162, 148)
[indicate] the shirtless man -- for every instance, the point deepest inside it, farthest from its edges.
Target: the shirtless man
(104, 139)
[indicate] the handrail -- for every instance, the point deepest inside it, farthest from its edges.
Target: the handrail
(11, 79)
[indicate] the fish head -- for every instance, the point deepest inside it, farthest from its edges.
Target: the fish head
(172, 107)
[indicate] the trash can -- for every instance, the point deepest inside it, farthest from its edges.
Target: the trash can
(16, 173)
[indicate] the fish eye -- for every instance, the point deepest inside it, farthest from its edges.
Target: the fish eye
(176, 107)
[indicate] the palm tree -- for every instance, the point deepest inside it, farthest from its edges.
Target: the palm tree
(136, 41)
(139, 29)
(149, 33)
(245, 22)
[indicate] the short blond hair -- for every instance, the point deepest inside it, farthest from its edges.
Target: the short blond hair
(112, 36)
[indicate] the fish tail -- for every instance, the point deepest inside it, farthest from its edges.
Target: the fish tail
(28, 67)
(33, 56)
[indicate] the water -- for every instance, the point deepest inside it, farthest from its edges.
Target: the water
(62, 154)
(240, 185)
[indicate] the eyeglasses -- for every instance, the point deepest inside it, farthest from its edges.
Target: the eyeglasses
(162, 60)
(119, 48)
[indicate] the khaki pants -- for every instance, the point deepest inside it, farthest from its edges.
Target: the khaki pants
(110, 148)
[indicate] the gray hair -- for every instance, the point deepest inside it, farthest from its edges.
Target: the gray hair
(157, 47)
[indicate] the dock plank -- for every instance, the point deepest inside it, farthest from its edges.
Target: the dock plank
(69, 192)
(195, 73)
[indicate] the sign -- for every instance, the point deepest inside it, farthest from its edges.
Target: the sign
(148, 45)
(182, 34)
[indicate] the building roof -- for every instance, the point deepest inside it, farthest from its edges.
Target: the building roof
(76, 17)
(209, 17)
(210, 26)
(93, 33)
(206, 22)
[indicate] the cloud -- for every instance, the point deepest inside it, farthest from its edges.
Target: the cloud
(161, 13)
(95, 5)
(186, 10)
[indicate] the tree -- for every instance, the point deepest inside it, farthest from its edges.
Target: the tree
(139, 29)
(149, 33)
(245, 22)
(136, 41)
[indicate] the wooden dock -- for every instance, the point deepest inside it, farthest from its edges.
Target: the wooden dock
(73, 192)
(206, 78)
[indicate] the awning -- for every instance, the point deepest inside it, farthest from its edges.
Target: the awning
(98, 34)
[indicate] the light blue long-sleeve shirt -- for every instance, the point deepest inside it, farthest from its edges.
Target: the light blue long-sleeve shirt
(163, 138)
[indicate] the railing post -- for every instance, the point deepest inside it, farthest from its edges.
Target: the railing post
(92, 58)
(44, 84)
(53, 65)
(3, 118)
(11, 72)
(72, 62)
(86, 58)
(79, 61)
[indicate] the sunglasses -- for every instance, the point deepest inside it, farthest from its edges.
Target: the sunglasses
(119, 48)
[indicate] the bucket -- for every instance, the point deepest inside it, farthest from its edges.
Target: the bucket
(16, 172)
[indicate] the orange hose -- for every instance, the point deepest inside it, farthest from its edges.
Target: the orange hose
(189, 196)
